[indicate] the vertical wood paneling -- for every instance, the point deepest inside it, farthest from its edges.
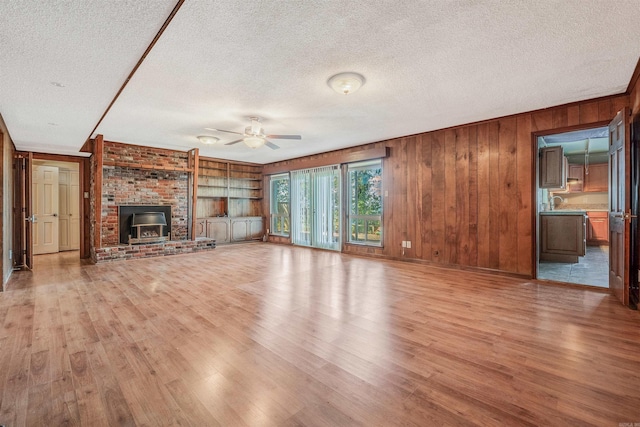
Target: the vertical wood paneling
(588, 112)
(473, 196)
(414, 230)
(573, 115)
(426, 197)
(484, 198)
(451, 233)
(437, 194)
(524, 186)
(508, 195)
(419, 225)
(494, 195)
(462, 194)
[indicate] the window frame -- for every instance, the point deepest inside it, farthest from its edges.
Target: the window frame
(349, 217)
(273, 215)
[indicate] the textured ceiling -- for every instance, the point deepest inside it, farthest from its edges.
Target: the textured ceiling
(428, 64)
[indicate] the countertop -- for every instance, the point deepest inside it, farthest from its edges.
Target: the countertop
(565, 212)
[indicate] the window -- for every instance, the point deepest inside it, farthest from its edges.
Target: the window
(280, 204)
(365, 202)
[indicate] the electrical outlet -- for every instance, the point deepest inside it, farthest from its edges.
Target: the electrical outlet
(404, 244)
(408, 244)
(10, 254)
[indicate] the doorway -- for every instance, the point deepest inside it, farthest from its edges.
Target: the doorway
(573, 207)
(315, 207)
(56, 206)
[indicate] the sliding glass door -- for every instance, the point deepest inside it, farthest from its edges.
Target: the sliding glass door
(315, 207)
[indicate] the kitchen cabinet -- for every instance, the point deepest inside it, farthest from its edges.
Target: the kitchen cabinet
(553, 168)
(562, 236)
(575, 181)
(597, 228)
(597, 180)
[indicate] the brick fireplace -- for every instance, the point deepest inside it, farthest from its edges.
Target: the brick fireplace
(134, 175)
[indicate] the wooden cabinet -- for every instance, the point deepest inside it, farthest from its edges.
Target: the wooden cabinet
(598, 228)
(201, 228)
(553, 168)
(562, 237)
(229, 201)
(247, 228)
(218, 228)
(575, 180)
(597, 178)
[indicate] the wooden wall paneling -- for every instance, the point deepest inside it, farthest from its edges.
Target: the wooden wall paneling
(473, 196)
(508, 196)
(389, 165)
(559, 118)
(589, 112)
(484, 232)
(525, 168)
(541, 120)
(618, 104)
(437, 195)
(426, 194)
(462, 194)
(450, 198)
(573, 115)
(605, 108)
(414, 184)
(494, 195)
(85, 185)
(98, 147)
(400, 198)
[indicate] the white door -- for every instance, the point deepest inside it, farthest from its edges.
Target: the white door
(45, 209)
(69, 210)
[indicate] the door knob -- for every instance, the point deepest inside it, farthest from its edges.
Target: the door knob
(55, 214)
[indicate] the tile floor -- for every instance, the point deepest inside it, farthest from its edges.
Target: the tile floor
(591, 269)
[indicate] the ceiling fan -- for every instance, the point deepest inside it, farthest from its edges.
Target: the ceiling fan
(255, 137)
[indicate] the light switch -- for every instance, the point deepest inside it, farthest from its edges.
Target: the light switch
(408, 244)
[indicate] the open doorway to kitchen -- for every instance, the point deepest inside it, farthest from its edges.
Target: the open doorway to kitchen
(572, 207)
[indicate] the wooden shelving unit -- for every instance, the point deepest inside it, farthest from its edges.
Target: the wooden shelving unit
(229, 201)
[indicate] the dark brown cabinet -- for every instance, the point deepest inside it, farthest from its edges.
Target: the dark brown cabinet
(553, 168)
(598, 228)
(562, 237)
(596, 178)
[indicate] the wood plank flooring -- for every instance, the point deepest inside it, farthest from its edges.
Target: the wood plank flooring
(273, 335)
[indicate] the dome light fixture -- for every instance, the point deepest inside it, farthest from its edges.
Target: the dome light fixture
(208, 139)
(346, 83)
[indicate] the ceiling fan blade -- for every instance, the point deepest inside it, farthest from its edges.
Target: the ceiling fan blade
(235, 142)
(285, 136)
(271, 145)
(222, 130)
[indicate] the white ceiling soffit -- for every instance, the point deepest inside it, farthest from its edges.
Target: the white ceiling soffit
(428, 65)
(63, 62)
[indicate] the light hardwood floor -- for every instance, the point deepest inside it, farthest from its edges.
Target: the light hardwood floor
(265, 335)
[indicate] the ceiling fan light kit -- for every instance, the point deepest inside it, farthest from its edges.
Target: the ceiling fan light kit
(254, 136)
(207, 139)
(346, 83)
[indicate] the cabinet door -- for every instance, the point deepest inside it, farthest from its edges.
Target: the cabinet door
(239, 230)
(598, 229)
(576, 172)
(598, 178)
(218, 229)
(255, 229)
(552, 168)
(201, 228)
(563, 234)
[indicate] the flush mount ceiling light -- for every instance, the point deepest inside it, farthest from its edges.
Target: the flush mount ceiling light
(346, 83)
(207, 139)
